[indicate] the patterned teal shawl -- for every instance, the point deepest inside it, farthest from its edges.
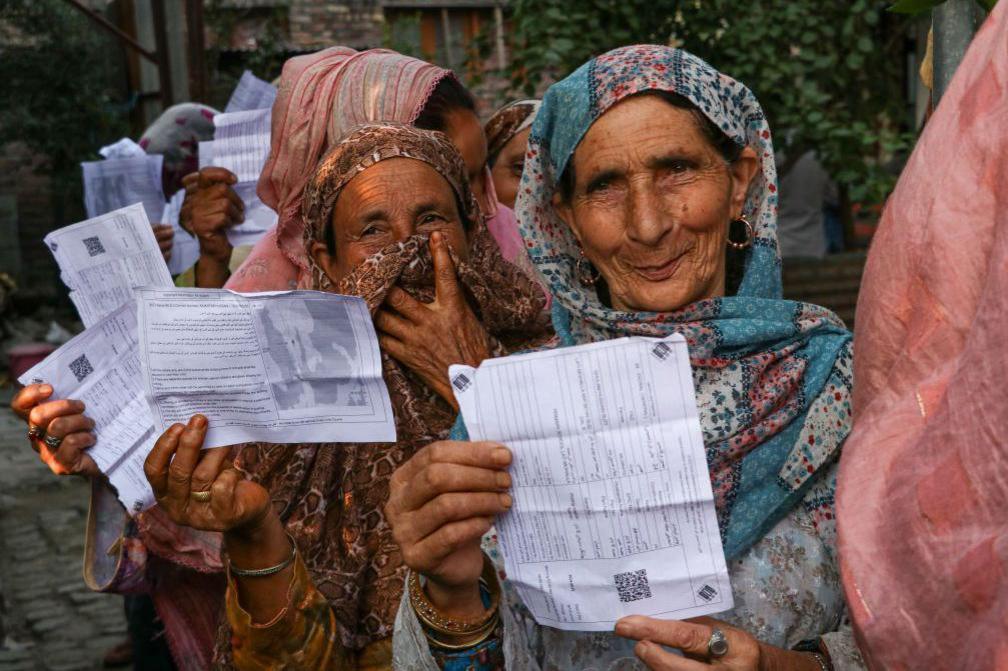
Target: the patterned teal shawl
(772, 376)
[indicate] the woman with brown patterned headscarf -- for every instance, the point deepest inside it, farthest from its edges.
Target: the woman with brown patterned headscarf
(388, 216)
(507, 134)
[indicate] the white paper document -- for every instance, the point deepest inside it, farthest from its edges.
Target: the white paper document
(124, 148)
(251, 93)
(102, 259)
(281, 367)
(241, 144)
(117, 182)
(101, 367)
(613, 511)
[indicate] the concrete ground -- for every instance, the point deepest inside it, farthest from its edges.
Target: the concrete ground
(50, 620)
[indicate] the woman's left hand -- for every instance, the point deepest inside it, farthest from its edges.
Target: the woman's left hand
(429, 337)
(691, 637)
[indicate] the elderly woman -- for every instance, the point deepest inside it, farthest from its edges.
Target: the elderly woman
(672, 232)
(321, 97)
(507, 134)
(314, 575)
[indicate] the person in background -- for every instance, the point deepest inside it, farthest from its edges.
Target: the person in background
(807, 197)
(674, 232)
(176, 135)
(507, 134)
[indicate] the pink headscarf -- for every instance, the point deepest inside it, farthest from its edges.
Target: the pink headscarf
(321, 96)
(922, 502)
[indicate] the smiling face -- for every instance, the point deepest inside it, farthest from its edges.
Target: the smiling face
(651, 204)
(389, 202)
(507, 169)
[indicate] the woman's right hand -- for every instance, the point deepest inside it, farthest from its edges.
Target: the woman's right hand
(178, 467)
(210, 208)
(440, 504)
(63, 419)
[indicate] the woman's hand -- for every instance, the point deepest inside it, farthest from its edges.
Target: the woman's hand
(177, 468)
(692, 636)
(210, 208)
(63, 420)
(440, 504)
(165, 236)
(429, 337)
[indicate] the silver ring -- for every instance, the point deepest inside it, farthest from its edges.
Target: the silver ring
(52, 442)
(717, 646)
(35, 432)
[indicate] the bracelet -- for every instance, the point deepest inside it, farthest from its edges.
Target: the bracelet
(463, 644)
(429, 614)
(270, 570)
(821, 659)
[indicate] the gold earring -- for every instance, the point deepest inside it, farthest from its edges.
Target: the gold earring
(587, 274)
(750, 234)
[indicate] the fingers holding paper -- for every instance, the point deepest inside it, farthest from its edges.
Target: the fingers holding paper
(692, 638)
(200, 488)
(59, 431)
(440, 504)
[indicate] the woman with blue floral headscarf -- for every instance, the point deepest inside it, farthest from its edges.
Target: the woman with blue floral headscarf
(648, 206)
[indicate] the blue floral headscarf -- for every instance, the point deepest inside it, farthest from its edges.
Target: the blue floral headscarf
(772, 376)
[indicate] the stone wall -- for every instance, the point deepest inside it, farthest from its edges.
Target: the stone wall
(315, 24)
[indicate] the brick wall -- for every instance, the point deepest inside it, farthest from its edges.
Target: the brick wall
(832, 282)
(315, 24)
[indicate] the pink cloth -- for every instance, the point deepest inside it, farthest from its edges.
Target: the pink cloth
(321, 96)
(923, 489)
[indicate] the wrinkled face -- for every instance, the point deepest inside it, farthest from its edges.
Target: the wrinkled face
(465, 132)
(387, 203)
(507, 169)
(651, 205)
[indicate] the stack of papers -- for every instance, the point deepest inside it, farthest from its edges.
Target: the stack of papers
(613, 511)
(103, 259)
(241, 144)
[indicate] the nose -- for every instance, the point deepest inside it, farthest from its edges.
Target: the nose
(647, 223)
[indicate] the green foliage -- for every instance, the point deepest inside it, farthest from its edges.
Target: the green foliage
(265, 61)
(921, 6)
(60, 94)
(828, 74)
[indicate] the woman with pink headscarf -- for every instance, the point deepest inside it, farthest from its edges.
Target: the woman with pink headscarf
(321, 97)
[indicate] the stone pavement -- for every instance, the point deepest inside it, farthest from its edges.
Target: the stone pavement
(52, 621)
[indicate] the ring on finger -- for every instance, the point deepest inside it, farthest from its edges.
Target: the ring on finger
(202, 496)
(717, 646)
(35, 432)
(52, 442)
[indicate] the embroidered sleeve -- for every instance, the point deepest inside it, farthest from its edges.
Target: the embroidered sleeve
(302, 635)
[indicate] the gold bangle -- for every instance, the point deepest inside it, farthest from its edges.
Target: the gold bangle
(464, 644)
(429, 614)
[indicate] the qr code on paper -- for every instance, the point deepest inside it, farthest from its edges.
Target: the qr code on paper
(707, 593)
(94, 245)
(461, 382)
(632, 585)
(81, 367)
(661, 350)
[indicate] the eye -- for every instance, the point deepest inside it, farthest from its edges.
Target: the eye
(516, 168)
(599, 185)
(369, 230)
(431, 218)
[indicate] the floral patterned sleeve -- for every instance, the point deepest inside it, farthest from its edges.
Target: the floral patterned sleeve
(302, 635)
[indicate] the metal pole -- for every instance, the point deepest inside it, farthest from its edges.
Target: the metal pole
(197, 62)
(161, 42)
(954, 22)
(120, 35)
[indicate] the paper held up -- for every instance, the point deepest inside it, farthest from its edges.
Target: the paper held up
(102, 259)
(251, 93)
(118, 182)
(101, 367)
(613, 511)
(281, 367)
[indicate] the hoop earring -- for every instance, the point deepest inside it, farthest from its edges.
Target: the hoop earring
(587, 274)
(750, 234)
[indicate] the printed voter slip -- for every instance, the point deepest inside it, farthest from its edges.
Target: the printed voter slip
(613, 510)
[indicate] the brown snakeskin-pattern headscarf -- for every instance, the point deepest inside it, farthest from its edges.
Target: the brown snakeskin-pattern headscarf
(331, 495)
(507, 122)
